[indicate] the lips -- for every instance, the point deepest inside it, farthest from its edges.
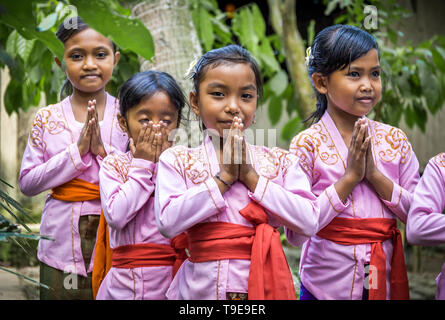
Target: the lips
(366, 99)
(90, 76)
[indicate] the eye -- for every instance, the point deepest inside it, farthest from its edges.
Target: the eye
(168, 122)
(144, 120)
(376, 73)
(76, 56)
(217, 94)
(353, 74)
(102, 55)
(247, 96)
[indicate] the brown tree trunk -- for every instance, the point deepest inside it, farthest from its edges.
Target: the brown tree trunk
(284, 22)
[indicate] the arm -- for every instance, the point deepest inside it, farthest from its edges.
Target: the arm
(402, 192)
(178, 208)
(38, 175)
(426, 222)
(292, 203)
(122, 200)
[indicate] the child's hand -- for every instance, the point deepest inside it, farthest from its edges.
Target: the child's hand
(247, 173)
(232, 153)
(84, 141)
(165, 143)
(371, 169)
(97, 147)
(148, 143)
(356, 165)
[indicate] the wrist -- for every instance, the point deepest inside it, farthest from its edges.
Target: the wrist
(374, 176)
(351, 179)
(227, 177)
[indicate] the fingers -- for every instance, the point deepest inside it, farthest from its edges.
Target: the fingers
(132, 146)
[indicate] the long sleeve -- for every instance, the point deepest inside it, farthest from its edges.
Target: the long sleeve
(122, 196)
(177, 208)
(327, 201)
(38, 174)
(292, 203)
(426, 222)
(402, 195)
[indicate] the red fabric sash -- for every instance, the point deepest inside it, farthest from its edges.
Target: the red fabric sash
(374, 230)
(269, 274)
(143, 255)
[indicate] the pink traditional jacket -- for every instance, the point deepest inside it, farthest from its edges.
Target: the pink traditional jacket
(426, 221)
(186, 194)
(127, 195)
(52, 158)
(327, 269)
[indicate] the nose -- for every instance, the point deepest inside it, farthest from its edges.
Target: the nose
(366, 85)
(90, 62)
(233, 106)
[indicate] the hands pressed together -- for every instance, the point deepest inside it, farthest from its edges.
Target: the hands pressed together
(151, 141)
(236, 164)
(90, 138)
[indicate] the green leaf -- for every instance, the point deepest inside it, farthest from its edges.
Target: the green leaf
(243, 27)
(127, 33)
(275, 109)
(311, 32)
(291, 128)
(48, 22)
(13, 96)
(19, 15)
(279, 83)
(205, 29)
(266, 54)
(428, 81)
(258, 21)
(439, 58)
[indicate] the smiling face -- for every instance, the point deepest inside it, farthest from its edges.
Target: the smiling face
(156, 108)
(89, 60)
(226, 91)
(356, 89)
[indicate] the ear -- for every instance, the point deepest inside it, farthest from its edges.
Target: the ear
(122, 123)
(117, 56)
(194, 103)
(58, 62)
(320, 82)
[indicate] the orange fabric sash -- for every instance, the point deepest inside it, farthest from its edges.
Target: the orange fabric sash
(80, 190)
(269, 274)
(374, 230)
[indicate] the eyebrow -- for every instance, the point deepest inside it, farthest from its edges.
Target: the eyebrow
(213, 85)
(361, 69)
(148, 112)
(82, 49)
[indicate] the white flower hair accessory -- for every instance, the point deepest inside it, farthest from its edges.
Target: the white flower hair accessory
(309, 56)
(191, 70)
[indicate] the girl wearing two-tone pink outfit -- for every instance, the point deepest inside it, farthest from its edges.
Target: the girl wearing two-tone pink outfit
(362, 172)
(226, 208)
(151, 104)
(66, 143)
(426, 221)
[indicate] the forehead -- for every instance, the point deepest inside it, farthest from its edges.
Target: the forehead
(88, 39)
(370, 60)
(230, 74)
(158, 104)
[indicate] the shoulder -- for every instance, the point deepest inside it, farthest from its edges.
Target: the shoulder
(396, 137)
(117, 161)
(439, 160)
(270, 161)
(307, 140)
(44, 114)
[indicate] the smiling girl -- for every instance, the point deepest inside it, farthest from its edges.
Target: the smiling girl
(230, 204)
(66, 143)
(363, 173)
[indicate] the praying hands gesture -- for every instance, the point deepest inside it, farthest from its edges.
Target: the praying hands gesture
(151, 142)
(236, 163)
(90, 138)
(361, 165)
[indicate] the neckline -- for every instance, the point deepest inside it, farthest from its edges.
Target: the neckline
(69, 114)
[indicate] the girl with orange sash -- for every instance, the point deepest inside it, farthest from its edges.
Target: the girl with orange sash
(230, 203)
(66, 143)
(142, 260)
(363, 173)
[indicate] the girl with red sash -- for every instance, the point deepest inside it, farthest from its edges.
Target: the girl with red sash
(65, 146)
(362, 172)
(228, 195)
(142, 260)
